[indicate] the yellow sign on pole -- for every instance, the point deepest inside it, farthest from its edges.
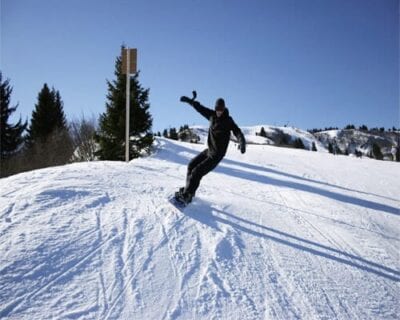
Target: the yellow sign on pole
(132, 60)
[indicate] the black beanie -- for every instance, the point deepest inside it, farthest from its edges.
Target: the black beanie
(220, 104)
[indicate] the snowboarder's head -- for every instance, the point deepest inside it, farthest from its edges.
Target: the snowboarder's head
(219, 106)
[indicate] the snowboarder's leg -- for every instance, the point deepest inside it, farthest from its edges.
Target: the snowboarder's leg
(199, 172)
(181, 195)
(194, 163)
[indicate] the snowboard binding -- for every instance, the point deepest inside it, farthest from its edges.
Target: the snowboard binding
(182, 198)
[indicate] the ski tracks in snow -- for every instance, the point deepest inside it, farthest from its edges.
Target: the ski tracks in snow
(111, 246)
(345, 268)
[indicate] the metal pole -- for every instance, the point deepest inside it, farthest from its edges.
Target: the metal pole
(128, 80)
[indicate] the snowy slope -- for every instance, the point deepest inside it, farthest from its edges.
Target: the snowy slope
(273, 234)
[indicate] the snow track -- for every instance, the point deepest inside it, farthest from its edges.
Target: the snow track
(272, 234)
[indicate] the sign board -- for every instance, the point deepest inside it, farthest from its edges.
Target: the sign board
(132, 60)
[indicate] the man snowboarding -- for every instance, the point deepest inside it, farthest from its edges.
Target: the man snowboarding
(221, 125)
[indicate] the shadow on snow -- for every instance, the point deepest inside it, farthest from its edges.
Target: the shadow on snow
(173, 153)
(206, 214)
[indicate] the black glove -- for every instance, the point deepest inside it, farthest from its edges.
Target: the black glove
(242, 146)
(187, 100)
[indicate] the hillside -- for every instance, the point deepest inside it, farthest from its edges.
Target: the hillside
(348, 141)
(275, 233)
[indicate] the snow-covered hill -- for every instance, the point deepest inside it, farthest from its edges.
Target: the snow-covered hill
(352, 139)
(273, 136)
(273, 234)
(348, 141)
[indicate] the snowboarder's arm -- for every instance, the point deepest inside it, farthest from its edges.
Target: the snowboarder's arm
(239, 136)
(205, 112)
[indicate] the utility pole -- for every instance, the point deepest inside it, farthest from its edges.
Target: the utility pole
(129, 66)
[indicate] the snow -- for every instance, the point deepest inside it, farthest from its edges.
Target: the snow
(272, 234)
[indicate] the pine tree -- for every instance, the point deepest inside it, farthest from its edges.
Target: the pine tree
(338, 150)
(165, 133)
(48, 142)
(11, 135)
(263, 133)
(183, 134)
(298, 144)
(48, 117)
(313, 147)
(111, 134)
(173, 134)
(330, 147)
(376, 151)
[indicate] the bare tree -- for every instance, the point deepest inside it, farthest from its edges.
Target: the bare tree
(83, 132)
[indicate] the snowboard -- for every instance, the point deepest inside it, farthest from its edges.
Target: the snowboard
(176, 203)
(179, 203)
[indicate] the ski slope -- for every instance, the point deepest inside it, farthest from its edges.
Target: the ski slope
(273, 234)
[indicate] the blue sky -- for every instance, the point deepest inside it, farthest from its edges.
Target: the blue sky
(308, 63)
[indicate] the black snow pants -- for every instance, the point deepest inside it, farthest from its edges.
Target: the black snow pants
(198, 167)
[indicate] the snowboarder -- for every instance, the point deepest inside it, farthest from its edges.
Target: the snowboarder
(221, 125)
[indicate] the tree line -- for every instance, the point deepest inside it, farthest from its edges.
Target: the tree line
(184, 133)
(49, 139)
(353, 127)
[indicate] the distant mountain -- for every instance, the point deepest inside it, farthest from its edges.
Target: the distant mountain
(348, 141)
(354, 140)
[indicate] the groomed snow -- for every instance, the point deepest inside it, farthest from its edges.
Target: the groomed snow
(272, 234)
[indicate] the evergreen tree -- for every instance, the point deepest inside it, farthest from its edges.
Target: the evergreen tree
(11, 135)
(313, 147)
(263, 133)
(47, 118)
(330, 147)
(48, 142)
(173, 134)
(298, 144)
(165, 133)
(376, 151)
(183, 134)
(111, 134)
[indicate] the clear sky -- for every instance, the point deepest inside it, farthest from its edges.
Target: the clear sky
(308, 63)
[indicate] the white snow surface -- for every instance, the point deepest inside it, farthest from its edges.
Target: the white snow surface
(272, 234)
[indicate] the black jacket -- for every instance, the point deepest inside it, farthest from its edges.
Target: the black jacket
(219, 132)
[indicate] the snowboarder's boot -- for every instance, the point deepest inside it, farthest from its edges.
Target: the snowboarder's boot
(180, 192)
(183, 197)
